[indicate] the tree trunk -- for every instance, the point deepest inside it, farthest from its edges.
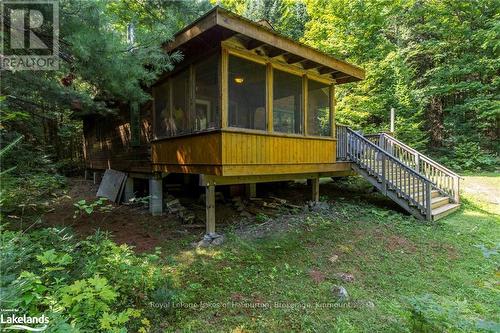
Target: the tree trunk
(435, 122)
(53, 138)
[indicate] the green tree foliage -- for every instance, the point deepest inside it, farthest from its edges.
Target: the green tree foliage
(99, 69)
(435, 62)
(288, 17)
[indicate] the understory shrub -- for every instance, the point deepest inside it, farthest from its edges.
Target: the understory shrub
(28, 179)
(30, 193)
(93, 285)
(468, 156)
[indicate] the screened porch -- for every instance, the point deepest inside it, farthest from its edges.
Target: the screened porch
(235, 113)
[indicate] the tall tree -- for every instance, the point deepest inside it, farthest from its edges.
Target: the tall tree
(288, 17)
(436, 62)
(98, 68)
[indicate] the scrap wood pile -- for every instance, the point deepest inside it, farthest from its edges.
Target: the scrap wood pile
(174, 206)
(246, 207)
(270, 206)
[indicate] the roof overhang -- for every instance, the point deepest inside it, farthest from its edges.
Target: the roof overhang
(219, 24)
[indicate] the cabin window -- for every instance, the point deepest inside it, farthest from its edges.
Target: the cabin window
(180, 122)
(287, 102)
(318, 108)
(247, 94)
(162, 111)
(206, 102)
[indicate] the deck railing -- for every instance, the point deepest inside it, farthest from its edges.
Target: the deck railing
(446, 180)
(341, 136)
(392, 174)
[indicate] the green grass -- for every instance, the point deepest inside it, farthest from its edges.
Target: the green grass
(394, 259)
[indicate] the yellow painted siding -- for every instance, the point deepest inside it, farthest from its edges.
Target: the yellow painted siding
(244, 152)
(251, 148)
(235, 153)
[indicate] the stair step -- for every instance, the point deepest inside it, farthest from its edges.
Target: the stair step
(434, 194)
(443, 211)
(407, 189)
(406, 181)
(437, 202)
(403, 185)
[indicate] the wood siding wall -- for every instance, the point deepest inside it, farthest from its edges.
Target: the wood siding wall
(196, 153)
(107, 142)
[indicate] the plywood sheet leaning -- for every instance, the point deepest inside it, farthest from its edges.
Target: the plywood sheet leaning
(112, 185)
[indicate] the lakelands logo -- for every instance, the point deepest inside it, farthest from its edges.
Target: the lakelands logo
(29, 35)
(24, 323)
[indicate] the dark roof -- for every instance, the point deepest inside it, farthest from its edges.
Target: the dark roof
(219, 24)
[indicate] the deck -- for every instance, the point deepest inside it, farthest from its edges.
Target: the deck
(236, 152)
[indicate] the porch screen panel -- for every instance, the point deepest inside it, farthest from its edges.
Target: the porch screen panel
(162, 111)
(318, 108)
(206, 103)
(247, 94)
(287, 102)
(180, 122)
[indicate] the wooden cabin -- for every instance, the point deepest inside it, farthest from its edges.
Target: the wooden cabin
(246, 105)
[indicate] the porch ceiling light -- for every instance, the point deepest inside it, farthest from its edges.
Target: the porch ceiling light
(239, 79)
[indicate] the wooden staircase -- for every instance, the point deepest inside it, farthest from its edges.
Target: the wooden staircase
(423, 187)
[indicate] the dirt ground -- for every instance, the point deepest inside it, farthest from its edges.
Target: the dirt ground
(134, 225)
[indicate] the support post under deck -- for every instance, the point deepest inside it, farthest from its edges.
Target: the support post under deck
(210, 208)
(156, 195)
(251, 190)
(315, 189)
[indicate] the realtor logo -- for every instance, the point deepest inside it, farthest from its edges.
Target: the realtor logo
(15, 322)
(29, 35)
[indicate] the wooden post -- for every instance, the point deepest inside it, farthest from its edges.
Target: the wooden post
(428, 198)
(156, 194)
(224, 88)
(269, 98)
(332, 112)
(304, 101)
(384, 177)
(191, 98)
(315, 189)
(456, 189)
(210, 208)
(392, 120)
(251, 190)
